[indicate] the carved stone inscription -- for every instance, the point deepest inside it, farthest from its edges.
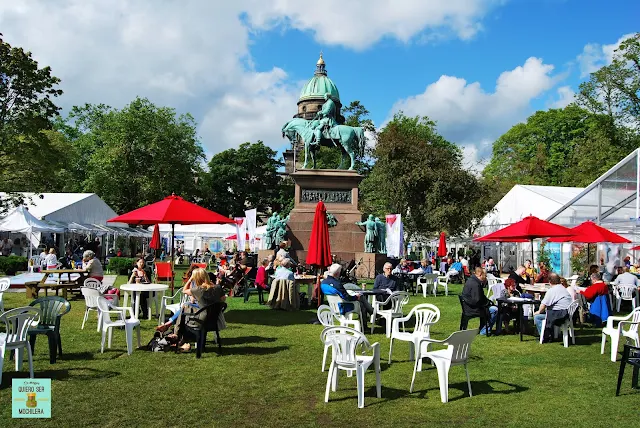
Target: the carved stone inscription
(331, 196)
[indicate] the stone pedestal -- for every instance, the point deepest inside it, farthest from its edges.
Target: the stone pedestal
(338, 189)
(371, 263)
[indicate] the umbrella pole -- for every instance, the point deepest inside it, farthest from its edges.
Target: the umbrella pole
(172, 251)
(533, 262)
(588, 251)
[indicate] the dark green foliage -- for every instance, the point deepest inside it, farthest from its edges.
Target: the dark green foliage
(12, 264)
(121, 265)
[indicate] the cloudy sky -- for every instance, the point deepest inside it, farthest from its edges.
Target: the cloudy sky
(477, 67)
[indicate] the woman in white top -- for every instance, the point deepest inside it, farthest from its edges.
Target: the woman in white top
(51, 260)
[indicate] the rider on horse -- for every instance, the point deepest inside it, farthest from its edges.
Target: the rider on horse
(326, 118)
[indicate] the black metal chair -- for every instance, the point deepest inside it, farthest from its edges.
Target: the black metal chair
(464, 318)
(630, 355)
(210, 323)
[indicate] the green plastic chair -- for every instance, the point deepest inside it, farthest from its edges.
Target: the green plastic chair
(52, 308)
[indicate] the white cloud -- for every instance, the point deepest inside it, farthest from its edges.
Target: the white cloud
(565, 95)
(595, 56)
(469, 116)
(195, 55)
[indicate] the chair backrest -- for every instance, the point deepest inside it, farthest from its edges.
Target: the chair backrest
(334, 301)
(345, 342)
(95, 283)
(5, 283)
(626, 291)
(398, 300)
(428, 278)
(425, 314)
(635, 318)
(326, 316)
(51, 308)
(459, 345)
(495, 291)
(572, 308)
(573, 280)
(213, 313)
(465, 269)
(104, 306)
(17, 322)
(443, 280)
(90, 296)
(163, 270)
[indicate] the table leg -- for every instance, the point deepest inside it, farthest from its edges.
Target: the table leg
(126, 299)
(136, 303)
(499, 317)
(64, 293)
(521, 318)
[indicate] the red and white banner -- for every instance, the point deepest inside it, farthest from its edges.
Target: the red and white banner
(395, 235)
(250, 223)
(241, 232)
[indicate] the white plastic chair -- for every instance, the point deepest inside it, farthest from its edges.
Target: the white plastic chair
(442, 281)
(347, 319)
(566, 327)
(173, 307)
(34, 263)
(632, 320)
(397, 300)
(625, 292)
(495, 291)
(91, 290)
(457, 354)
(15, 338)
(105, 309)
(345, 343)
(328, 318)
(425, 315)
(5, 283)
(427, 281)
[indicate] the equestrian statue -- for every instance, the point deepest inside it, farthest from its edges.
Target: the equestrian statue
(324, 130)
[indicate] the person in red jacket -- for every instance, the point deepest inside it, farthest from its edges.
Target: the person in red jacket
(597, 288)
(261, 275)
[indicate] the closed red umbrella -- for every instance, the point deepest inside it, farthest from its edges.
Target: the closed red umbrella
(155, 238)
(319, 250)
(591, 233)
(235, 236)
(172, 210)
(442, 245)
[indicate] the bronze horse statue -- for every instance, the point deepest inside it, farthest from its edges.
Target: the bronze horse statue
(350, 140)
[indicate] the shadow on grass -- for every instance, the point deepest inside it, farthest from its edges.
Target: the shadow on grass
(76, 356)
(477, 387)
(268, 317)
(240, 350)
(246, 339)
(78, 373)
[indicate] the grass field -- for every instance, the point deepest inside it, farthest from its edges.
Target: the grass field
(269, 375)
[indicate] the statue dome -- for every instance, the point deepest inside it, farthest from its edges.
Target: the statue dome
(319, 85)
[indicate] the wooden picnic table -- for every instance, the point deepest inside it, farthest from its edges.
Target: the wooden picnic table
(33, 288)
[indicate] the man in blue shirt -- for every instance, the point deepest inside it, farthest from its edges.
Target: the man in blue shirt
(331, 285)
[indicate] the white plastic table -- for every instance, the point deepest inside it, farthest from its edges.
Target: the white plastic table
(136, 289)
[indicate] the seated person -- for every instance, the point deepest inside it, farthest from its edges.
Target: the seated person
(385, 281)
(491, 267)
(332, 286)
(93, 267)
(529, 271)
(597, 288)
(455, 269)
(425, 266)
(139, 276)
(627, 278)
(261, 275)
(509, 312)
(285, 270)
(51, 261)
(518, 277)
(474, 301)
(543, 276)
(402, 267)
(203, 293)
(556, 303)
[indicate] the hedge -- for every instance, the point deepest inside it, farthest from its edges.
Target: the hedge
(121, 265)
(12, 264)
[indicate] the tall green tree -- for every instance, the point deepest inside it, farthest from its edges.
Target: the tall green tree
(419, 174)
(245, 178)
(28, 157)
(134, 156)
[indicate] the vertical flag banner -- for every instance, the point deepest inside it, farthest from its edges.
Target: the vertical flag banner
(394, 235)
(241, 232)
(250, 215)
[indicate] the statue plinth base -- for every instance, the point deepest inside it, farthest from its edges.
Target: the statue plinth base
(338, 189)
(370, 263)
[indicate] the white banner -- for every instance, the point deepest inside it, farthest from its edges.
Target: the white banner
(241, 232)
(395, 238)
(251, 228)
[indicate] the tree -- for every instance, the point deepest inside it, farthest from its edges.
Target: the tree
(134, 156)
(419, 174)
(28, 156)
(245, 178)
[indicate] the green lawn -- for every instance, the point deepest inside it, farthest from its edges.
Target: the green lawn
(269, 375)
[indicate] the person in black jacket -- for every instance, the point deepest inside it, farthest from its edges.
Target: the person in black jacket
(516, 275)
(475, 303)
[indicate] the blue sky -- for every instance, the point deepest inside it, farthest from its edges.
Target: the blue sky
(477, 67)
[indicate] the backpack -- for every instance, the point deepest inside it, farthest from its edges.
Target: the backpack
(159, 343)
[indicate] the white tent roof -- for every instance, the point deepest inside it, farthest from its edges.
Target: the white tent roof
(67, 208)
(524, 200)
(20, 220)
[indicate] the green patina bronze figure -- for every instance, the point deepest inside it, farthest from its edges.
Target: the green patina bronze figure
(324, 129)
(370, 235)
(381, 241)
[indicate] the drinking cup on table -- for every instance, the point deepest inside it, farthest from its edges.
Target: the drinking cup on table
(137, 280)
(537, 296)
(364, 286)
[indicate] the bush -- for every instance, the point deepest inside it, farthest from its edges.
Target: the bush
(121, 265)
(12, 264)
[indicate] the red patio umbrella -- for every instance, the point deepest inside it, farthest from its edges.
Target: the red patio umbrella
(442, 245)
(319, 250)
(172, 210)
(527, 229)
(235, 236)
(591, 233)
(155, 238)
(637, 247)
